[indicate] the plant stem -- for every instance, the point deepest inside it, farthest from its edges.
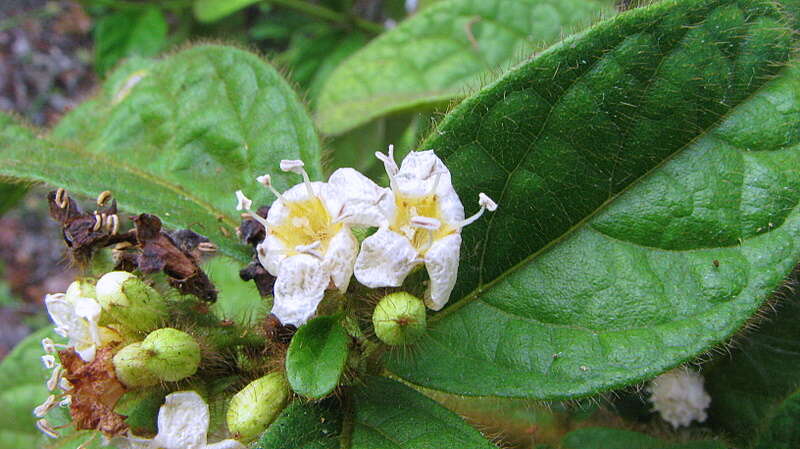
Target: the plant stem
(329, 15)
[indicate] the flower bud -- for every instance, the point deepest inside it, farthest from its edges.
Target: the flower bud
(81, 288)
(399, 318)
(254, 408)
(131, 369)
(173, 355)
(131, 302)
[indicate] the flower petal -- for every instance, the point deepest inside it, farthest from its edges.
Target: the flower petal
(354, 199)
(340, 258)
(226, 444)
(61, 312)
(131, 442)
(385, 259)
(182, 422)
(421, 173)
(441, 260)
(299, 289)
(271, 253)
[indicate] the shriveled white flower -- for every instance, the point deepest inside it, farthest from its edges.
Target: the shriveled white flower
(182, 424)
(420, 221)
(308, 245)
(76, 319)
(679, 397)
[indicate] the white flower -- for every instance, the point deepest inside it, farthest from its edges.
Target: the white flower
(182, 424)
(76, 319)
(678, 396)
(420, 222)
(308, 245)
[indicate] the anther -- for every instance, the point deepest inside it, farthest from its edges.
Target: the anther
(486, 203)
(428, 223)
(64, 385)
(49, 361)
(388, 162)
(61, 200)
(266, 181)
(46, 406)
(46, 428)
(98, 222)
(103, 197)
(243, 202)
(112, 224)
(296, 166)
(66, 402)
(207, 247)
(48, 345)
(55, 378)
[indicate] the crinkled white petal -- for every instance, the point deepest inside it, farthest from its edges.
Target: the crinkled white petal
(356, 200)
(299, 288)
(226, 444)
(182, 422)
(271, 252)
(679, 397)
(340, 258)
(385, 259)
(61, 312)
(132, 442)
(419, 173)
(278, 212)
(77, 320)
(441, 261)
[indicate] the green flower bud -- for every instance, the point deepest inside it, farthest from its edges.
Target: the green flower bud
(173, 355)
(254, 408)
(131, 302)
(81, 288)
(131, 369)
(399, 319)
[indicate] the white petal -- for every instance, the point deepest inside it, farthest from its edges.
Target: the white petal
(86, 351)
(131, 442)
(61, 312)
(420, 171)
(299, 289)
(292, 165)
(278, 212)
(385, 259)
(353, 198)
(271, 253)
(450, 208)
(340, 258)
(182, 422)
(441, 260)
(226, 444)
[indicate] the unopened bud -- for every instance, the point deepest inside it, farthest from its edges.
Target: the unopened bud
(131, 369)
(81, 288)
(131, 302)
(173, 354)
(399, 319)
(254, 408)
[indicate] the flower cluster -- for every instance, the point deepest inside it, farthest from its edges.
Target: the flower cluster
(309, 246)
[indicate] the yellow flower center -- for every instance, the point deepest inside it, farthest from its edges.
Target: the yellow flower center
(422, 206)
(307, 222)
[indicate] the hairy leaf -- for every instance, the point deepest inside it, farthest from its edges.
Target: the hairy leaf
(305, 425)
(388, 414)
(645, 172)
(178, 139)
(604, 438)
(138, 32)
(316, 357)
(442, 52)
(782, 431)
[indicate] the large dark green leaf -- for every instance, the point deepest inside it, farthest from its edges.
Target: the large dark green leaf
(442, 52)
(604, 438)
(211, 10)
(389, 415)
(760, 373)
(177, 139)
(305, 425)
(316, 357)
(782, 431)
(645, 172)
(137, 32)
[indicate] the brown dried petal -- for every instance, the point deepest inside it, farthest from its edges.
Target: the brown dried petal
(257, 273)
(251, 231)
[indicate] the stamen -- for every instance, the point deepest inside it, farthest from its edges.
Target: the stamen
(103, 197)
(242, 202)
(310, 249)
(428, 223)
(46, 406)
(66, 402)
(389, 165)
(486, 203)
(64, 385)
(46, 428)
(48, 345)
(98, 222)
(55, 378)
(207, 247)
(266, 180)
(60, 199)
(296, 166)
(49, 361)
(112, 224)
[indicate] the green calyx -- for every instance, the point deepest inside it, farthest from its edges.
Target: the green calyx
(82, 288)
(131, 302)
(254, 408)
(173, 354)
(399, 319)
(131, 369)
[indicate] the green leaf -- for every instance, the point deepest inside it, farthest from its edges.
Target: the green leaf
(388, 414)
(305, 425)
(604, 438)
(628, 162)
(762, 371)
(316, 357)
(137, 32)
(178, 139)
(238, 300)
(442, 52)
(213, 10)
(782, 431)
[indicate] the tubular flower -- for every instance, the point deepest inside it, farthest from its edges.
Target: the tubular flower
(76, 318)
(679, 397)
(182, 424)
(420, 222)
(308, 245)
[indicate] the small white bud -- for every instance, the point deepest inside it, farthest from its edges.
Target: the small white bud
(243, 202)
(292, 165)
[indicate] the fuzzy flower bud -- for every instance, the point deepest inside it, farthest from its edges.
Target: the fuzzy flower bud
(254, 408)
(678, 396)
(81, 288)
(130, 302)
(172, 354)
(399, 319)
(131, 369)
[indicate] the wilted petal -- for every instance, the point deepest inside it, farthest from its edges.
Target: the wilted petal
(182, 422)
(131, 443)
(299, 289)
(355, 199)
(441, 261)
(226, 444)
(271, 253)
(385, 259)
(340, 257)
(61, 312)
(421, 172)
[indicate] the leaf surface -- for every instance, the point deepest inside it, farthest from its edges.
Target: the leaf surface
(442, 52)
(177, 139)
(212, 10)
(605, 438)
(316, 357)
(138, 32)
(648, 203)
(305, 425)
(782, 431)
